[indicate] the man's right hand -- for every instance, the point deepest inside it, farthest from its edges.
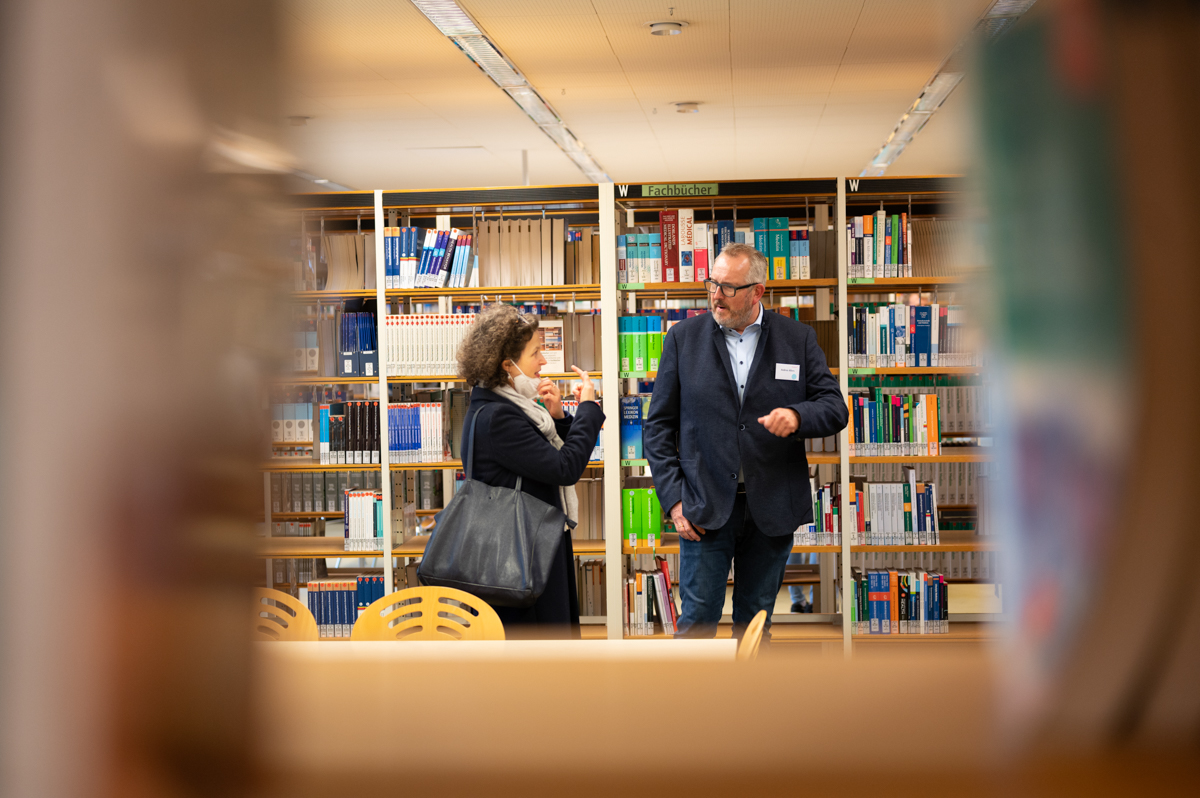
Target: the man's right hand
(684, 527)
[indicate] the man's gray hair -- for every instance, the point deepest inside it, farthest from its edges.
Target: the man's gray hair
(758, 261)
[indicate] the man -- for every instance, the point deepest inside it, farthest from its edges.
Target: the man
(738, 391)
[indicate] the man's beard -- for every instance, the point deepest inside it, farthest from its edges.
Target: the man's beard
(739, 321)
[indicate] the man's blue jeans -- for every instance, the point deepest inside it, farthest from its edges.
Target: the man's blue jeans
(704, 568)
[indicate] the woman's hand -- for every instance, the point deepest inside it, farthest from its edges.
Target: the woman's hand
(585, 391)
(551, 397)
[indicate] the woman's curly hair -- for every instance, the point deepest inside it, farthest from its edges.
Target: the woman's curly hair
(500, 333)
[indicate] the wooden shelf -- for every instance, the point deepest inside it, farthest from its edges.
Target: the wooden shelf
(332, 514)
(888, 285)
(310, 380)
(975, 546)
(960, 632)
(307, 465)
(414, 547)
(814, 458)
(560, 293)
(914, 371)
(563, 292)
(698, 288)
(670, 545)
(553, 375)
(950, 454)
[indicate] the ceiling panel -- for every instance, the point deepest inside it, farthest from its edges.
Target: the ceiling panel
(787, 88)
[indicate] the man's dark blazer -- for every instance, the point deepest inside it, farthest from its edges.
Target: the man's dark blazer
(696, 435)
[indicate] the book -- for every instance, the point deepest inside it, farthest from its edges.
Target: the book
(668, 221)
(687, 245)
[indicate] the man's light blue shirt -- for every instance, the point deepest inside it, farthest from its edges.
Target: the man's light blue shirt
(741, 348)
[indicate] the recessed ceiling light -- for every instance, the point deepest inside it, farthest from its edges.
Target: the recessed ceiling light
(321, 180)
(687, 108)
(298, 121)
(672, 28)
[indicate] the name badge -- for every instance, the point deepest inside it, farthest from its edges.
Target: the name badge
(787, 371)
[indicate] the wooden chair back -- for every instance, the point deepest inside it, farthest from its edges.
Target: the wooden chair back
(748, 648)
(428, 613)
(278, 616)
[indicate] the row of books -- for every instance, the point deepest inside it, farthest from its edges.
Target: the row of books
(522, 252)
(962, 400)
(324, 492)
(641, 513)
(896, 513)
(422, 344)
(334, 605)
(879, 245)
(894, 424)
(648, 601)
(980, 566)
(589, 583)
(899, 335)
(346, 262)
(330, 340)
(364, 523)
(955, 483)
(683, 250)
(900, 603)
(416, 432)
(348, 433)
(639, 342)
(288, 573)
(826, 527)
(590, 524)
(571, 339)
(427, 259)
(317, 491)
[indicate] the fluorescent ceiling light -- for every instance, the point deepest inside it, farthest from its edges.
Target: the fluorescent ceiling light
(999, 16)
(452, 20)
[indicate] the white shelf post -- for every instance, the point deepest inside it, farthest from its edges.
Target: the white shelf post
(610, 371)
(849, 522)
(385, 479)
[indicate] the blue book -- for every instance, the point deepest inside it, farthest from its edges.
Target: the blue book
(872, 420)
(631, 428)
(724, 235)
(872, 602)
(885, 614)
(923, 316)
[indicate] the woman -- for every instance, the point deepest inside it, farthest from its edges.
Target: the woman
(523, 432)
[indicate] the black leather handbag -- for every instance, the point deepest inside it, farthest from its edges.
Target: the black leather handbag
(495, 543)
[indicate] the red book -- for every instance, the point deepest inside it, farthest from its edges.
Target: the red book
(662, 564)
(669, 222)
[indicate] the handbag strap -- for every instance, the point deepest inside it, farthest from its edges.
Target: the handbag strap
(471, 448)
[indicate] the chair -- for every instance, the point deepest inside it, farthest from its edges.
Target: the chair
(748, 648)
(278, 616)
(428, 613)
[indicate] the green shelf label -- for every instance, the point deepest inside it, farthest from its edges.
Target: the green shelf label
(862, 371)
(632, 286)
(679, 190)
(860, 280)
(636, 375)
(633, 463)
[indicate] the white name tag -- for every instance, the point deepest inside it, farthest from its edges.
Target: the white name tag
(787, 371)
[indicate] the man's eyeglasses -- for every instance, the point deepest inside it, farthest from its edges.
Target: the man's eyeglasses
(728, 290)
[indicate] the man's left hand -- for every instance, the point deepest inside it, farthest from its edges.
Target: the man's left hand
(782, 421)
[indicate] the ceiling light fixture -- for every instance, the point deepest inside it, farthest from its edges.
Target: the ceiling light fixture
(672, 28)
(687, 108)
(456, 24)
(999, 17)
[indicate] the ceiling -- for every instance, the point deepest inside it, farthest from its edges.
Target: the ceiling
(788, 88)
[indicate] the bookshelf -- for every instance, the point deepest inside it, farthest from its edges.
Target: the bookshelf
(570, 206)
(612, 209)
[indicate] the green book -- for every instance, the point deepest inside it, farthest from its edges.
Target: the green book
(779, 247)
(629, 515)
(761, 227)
